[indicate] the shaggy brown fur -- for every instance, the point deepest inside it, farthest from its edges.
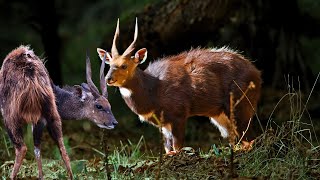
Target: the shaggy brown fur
(27, 97)
(26, 84)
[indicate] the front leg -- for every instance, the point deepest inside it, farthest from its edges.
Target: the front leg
(167, 138)
(37, 130)
(16, 136)
(55, 131)
(178, 133)
(173, 136)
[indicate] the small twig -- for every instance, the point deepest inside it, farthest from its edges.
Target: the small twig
(305, 105)
(232, 119)
(244, 94)
(106, 152)
(231, 162)
(158, 175)
(251, 85)
(243, 133)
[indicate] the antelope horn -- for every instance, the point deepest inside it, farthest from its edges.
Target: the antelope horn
(91, 85)
(114, 50)
(131, 48)
(103, 85)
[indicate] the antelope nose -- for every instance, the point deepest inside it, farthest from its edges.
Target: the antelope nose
(109, 79)
(114, 122)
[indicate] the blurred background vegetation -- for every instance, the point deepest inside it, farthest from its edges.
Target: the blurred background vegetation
(282, 38)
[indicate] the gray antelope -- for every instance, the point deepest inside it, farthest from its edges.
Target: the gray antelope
(195, 82)
(85, 102)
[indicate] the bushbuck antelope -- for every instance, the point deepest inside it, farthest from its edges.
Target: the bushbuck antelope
(26, 96)
(85, 101)
(195, 82)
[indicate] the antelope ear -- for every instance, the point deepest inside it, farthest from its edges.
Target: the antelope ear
(101, 54)
(80, 92)
(140, 56)
(85, 87)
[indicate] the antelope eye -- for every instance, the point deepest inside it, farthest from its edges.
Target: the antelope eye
(123, 66)
(98, 106)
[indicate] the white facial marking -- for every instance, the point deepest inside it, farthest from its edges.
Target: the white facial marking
(105, 127)
(125, 92)
(223, 130)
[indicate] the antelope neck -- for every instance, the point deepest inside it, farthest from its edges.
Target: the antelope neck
(142, 92)
(68, 104)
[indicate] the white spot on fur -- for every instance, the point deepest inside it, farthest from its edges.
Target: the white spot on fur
(141, 118)
(223, 130)
(125, 92)
(37, 152)
(145, 117)
(224, 49)
(167, 133)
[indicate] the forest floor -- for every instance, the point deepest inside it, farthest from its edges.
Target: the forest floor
(287, 149)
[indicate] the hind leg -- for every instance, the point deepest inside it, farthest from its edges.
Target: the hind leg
(55, 131)
(167, 138)
(173, 134)
(16, 136)
(37, 130)
(225, 126)
(244, 114)
(178, 133)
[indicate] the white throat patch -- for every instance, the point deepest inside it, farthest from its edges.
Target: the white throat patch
(125, 92)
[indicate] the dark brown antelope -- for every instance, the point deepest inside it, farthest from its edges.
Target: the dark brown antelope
(77, 102)
(85, 101)
(195, 82)
(26, 96)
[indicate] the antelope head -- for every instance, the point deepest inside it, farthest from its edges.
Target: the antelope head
(122, 67)
(98, 107)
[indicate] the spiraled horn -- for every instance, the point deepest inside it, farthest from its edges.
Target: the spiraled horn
(93, 88)
(114, 50)
(131, 48)
(103, 85)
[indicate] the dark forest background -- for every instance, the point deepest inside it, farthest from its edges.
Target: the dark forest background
(281, 37)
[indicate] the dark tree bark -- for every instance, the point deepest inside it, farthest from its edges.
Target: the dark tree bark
(171, 26)
(46, 22)
(42, 17)
(261, 30)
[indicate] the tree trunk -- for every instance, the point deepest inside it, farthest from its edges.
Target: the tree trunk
(46, 23)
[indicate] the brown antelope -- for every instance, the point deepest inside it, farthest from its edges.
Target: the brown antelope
(195, 82)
